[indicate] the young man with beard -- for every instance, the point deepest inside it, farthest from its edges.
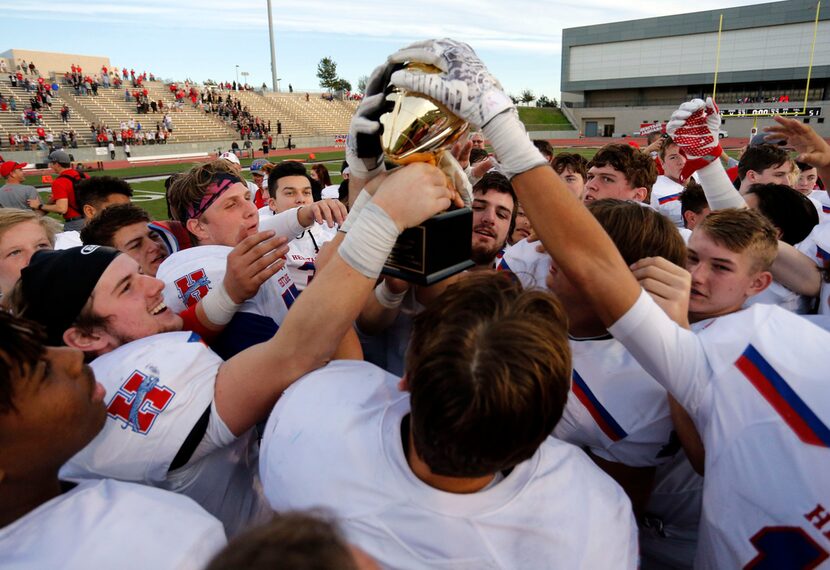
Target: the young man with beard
(178, 416)
(50, 408)
(386, 319)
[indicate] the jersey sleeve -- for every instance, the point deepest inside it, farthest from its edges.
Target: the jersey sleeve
(285, 224)
(671, 354)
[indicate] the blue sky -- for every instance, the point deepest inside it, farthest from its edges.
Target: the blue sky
(520, 40)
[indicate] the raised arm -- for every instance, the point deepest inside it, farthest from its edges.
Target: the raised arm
(465, 86)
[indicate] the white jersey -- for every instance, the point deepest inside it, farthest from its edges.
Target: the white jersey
(302, 253)
(755, 384)
(159, 388)
(530, 266)
(665, 198)
(68, 239)
(777, 294)
(823, 200)
(334, 441)
(189, 275)
(109, 524)
(816, 246)
(615, 408)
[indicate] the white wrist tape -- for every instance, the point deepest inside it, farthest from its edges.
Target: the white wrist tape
(369, 242)
(387, 298)
(218, 306)
(359, 203)
(720, 194)
(514, 150)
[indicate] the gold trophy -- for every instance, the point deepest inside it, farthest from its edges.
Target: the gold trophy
(419, 129)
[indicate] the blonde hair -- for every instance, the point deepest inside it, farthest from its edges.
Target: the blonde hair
(743, 230)
(10, 217)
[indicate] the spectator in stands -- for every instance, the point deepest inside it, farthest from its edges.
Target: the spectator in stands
(15, 194)
(63, 199)
(693, 205)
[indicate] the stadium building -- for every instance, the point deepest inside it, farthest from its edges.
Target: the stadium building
(619, 78)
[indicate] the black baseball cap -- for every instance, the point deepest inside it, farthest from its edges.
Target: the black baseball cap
(57, 284)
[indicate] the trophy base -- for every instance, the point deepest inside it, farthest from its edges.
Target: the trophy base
(435, 250)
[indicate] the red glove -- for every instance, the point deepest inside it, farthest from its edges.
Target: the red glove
(695, 128)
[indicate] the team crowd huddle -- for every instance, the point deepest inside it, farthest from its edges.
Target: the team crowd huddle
(629, 376)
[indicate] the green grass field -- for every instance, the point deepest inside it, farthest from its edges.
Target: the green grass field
(544, 119)
(149, 194)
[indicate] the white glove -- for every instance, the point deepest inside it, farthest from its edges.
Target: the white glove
(364, 152)
(695, 128)
(467, 88)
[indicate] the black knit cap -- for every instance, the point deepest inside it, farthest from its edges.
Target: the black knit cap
(57, 284)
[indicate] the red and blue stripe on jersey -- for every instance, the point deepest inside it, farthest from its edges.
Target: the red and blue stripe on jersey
(603, 417)
(669, 198)
(793, 410)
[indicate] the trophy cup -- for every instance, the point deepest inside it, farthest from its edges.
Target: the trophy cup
(419, 129)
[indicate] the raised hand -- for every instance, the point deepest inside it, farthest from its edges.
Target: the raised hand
(414, 193)
(465, 85)
(330, 211)
(668, 284)
(364, 152)
(695, 128)
(252, 262)
(813, 149)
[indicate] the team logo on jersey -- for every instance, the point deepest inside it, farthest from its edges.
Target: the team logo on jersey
(139, 401)
(822, 255)
(193, 287)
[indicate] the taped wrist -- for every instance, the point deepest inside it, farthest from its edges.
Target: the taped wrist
(360, 202)
(387, 298)
(218, 306)
(514, 150)
(720, 193)
(369, 242)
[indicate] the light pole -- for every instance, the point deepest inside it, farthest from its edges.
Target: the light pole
(245, 75)
(237, 75)
(274, 81)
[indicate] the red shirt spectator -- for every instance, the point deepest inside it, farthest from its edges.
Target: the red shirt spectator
(63, 188)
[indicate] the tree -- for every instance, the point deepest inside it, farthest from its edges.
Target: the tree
(327, 73)
(341, 84)
(527, 96)
(543, 101)
(514, 99)
(361, 83)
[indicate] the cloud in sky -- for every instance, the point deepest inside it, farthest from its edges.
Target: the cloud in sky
(518, 36)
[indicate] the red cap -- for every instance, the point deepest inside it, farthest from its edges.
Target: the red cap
(7, 167)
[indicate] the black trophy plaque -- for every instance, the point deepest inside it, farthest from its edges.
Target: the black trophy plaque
(435, 250)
